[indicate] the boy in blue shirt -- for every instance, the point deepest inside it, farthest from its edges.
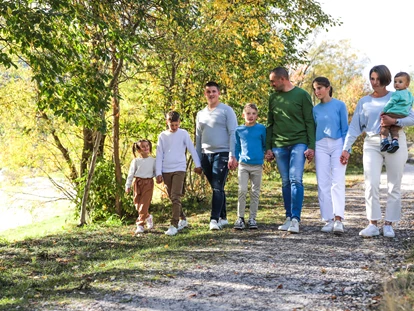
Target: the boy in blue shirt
(249, 151)
(398, 107)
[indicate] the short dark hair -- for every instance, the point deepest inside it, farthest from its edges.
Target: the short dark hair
(251, 106)
(280, 72)
(384, 74)
(403, 74)
(212, 83)
(324, 82)
(172, 116)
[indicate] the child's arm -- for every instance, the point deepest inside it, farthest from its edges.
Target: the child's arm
(190, 146)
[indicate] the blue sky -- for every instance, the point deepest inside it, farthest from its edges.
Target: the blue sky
(379, 29)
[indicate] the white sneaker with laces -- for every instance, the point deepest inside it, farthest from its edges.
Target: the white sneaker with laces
(171, 231)
(370, 231)
(140, 229)
(388, 231)
(294, 226)
(214, 225)
(223, 222)
(183, 223)
(328, 227)
(150, 222)
(285, 225)
(338, 227)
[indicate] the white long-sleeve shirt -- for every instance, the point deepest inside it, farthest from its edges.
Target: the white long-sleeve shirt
(142, 168)
(367, 119)
(171, 148)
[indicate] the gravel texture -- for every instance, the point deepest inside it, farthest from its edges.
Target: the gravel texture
(267, 269)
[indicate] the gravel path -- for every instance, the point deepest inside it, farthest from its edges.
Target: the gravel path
(272, 270)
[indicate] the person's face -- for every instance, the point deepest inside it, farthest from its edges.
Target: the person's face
(250, 116)
(401, 83)
(173, 126)
(321, 92)
(212, 94)
(375, 81)
(276, 82)
(144, 149)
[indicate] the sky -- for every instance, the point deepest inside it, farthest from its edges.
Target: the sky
(382, 30)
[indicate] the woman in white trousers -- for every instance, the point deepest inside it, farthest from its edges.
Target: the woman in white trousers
(331, 119)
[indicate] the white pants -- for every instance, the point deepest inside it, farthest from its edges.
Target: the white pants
(373, 160)
(254, 173)
(330, 174)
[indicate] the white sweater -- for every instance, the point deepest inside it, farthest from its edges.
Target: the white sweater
(171, 148)
(140, 167)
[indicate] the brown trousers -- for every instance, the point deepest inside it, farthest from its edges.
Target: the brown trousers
(393, 129)
(143, 189)
(174, 182)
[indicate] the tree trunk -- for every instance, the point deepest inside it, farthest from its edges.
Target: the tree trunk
(89, 180)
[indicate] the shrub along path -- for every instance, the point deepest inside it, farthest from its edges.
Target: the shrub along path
(263, 269)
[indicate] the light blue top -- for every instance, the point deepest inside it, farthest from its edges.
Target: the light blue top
(215, 130)
(400, 102)
(367, 119)
(250, 144)
(331, 119)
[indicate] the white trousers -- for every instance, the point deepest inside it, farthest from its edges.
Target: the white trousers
(373, 160)
(330, 174)
(254, 174)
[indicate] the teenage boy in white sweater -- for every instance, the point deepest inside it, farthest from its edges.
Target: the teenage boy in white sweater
(171, 164)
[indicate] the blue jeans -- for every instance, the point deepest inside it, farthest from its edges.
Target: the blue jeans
(215, 168)
(290, 163)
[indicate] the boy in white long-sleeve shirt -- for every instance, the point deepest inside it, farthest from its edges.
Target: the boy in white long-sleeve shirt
(171, 165)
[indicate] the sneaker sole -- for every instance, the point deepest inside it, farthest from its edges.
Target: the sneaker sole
(253, 227)
(338, 232)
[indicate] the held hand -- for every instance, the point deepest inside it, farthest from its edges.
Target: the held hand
(127, 190)
(159, 179)
(344, 157)
(232, 165)
(198, 170)
(309, 155)
(387, 120)
(269, 156)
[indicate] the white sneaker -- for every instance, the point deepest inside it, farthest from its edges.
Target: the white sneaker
(214, 225)
(338, 227)
(285, 225)
(294, 226)
(328, 227)
(370, 231)
(150, 222)
(183, 223)
(388, 231)
(223, 222)
(140, 229)
(171, 231)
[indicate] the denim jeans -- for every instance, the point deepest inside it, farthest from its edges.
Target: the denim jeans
(215, 168)
(290, 162)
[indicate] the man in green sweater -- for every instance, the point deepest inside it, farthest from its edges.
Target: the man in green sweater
(290, 138)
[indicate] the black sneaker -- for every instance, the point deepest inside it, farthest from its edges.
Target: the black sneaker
(385, 144)
(252, 224)
(394, 146)
(239, 224)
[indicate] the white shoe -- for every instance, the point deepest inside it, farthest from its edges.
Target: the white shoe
(294, 226)
(328, 227)
(140, 229)
(214, 225)
(370, 231)
(183, 223)
(285, 225)
(150, 222)
(338, 227)
(223, 222)
(388, 231)
(171, 231)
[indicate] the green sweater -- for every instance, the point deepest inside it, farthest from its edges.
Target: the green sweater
(290, 120)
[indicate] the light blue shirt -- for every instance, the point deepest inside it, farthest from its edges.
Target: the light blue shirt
(367, 119)
(250, 144)
(331, 119)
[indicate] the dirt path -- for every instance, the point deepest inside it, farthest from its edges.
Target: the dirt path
(271, 270)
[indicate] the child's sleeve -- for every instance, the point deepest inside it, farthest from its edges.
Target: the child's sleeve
(131, 173)
(159, 158)
(190, 146)
(237, 148)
